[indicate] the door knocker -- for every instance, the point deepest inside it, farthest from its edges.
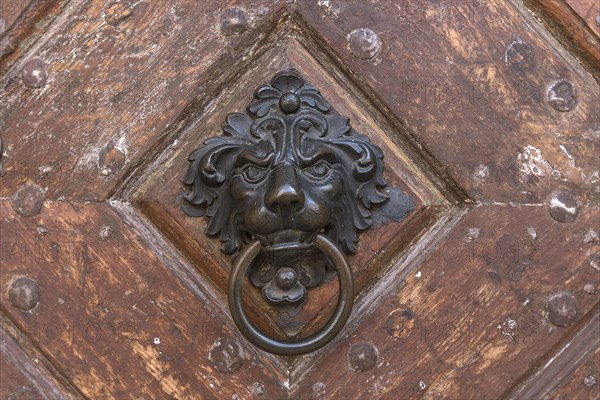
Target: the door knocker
(286, 188)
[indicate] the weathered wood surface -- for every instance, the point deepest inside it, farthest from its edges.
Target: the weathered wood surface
(583, 383)
(567, 357)
(468, 320)
(458, 96)
(10, 11)
(31, 20)
(25, 373)
(589, 10)
(114, 316)
(116, 91)
(573, 23)
(469, 80)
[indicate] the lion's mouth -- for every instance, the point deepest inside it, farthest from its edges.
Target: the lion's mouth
(287, 239)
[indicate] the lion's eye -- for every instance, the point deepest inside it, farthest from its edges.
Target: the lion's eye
(319, 170)
(253, 173)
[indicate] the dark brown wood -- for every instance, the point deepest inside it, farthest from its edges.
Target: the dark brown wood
(109, 100)
(589, 10)
(30, 20)
(574, 24)
(113, 308)
(470, 83)
(25, 373)
(569, 355)
(451, 303)
(465, 317)
(10, 12)
(582, 384)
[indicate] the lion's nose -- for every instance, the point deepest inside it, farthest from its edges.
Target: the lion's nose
(285, 194)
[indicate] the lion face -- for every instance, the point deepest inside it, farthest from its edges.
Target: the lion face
(284, 172)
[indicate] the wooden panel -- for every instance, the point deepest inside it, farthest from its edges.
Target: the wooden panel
(33, 20)
(583, 383)
(589, 10)
(573, 23)
(10, 11)
(468, 320)
(469, 80)
(14, 381)
(562, 362)
(25, 373)
(115, 88)
(115, 317)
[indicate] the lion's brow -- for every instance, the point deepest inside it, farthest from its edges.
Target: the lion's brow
(249, 155)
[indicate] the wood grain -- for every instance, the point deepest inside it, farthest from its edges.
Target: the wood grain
(113, 316)
(470, 85)
(569, 355)
(589, 10)
(573, 23)
(33, 19)
(467, 321)
(583, 383)
(25, 373)
(106, 96)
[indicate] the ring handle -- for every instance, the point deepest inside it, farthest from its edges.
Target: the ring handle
(306, 345)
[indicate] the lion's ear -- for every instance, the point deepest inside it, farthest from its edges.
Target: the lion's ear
(208, 176)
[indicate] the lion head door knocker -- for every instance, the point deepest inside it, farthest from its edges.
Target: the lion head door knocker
(286, 188)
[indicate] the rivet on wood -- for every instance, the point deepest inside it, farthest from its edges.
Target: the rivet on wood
(362, 357)
(589, 380)
(400, 324)
(225, 355)
(591, 236)
(520, 56)
(563, 207)
(41, 230)
(233, 21)
(364, 43)
(24, 293)
(257, 389)
(105, 232)
(318, 390)
(27, 201)
(561, 309)
(589, 288)
(562, 95)
(35, 73)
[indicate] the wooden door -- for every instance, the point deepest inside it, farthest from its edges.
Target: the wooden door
(488, 117)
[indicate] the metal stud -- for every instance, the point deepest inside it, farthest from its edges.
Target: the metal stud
(27, 201)
(563, 207)
(225, 355)
(562, 95)
(364, 43)
(362, 357)
(35, 73)
(105, 232)
(318, 390)
(400, 324)
(233, 21)
(24, 293)
(561, 309)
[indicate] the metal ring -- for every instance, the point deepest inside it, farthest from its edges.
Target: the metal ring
(306, 345)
